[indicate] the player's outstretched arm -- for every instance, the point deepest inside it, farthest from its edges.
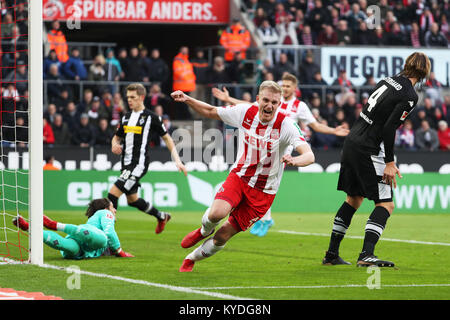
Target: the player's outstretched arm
(198, 106)
(339, 131)
(305, 158)
(174, 153)
(224, 95)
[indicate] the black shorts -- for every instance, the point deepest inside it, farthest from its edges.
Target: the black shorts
(361, 174)
(128, 182)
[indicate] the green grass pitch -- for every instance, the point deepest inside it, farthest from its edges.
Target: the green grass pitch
(279, 266)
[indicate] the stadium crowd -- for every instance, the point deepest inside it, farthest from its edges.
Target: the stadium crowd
(91, 121)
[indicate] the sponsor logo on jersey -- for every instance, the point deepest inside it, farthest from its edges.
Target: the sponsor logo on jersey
(132, 129)
(404, 115)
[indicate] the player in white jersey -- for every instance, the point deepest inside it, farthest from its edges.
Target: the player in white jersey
(298, 111)
(251, 186)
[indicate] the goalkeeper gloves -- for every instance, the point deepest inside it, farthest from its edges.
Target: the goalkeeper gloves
(122, 254)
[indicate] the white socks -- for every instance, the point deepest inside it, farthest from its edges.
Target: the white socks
(207, 226)
(267, 216)
(207, 249)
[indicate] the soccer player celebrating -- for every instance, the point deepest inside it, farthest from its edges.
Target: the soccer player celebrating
(368, 168)
(132, 142)
(91, 240)
(251, 186)
(298, 111)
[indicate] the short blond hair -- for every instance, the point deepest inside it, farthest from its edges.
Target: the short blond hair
(139, 88)
(270, 85)
(290, 77)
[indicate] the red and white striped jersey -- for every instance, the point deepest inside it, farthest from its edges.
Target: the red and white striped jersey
(261, 145)
(297, 110)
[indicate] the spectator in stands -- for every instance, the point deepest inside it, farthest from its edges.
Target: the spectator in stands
(446, 107)
(21, 14)
(435, 38)
(235, 70)
(146, 63)
(327, 111)
(56, 87)
(84, 134)
(335, 17)
(415, 36)
(307, 69)
(58, 42)
(306, 37)
(281, 14)
(355, 16)
(445, 27)
(428, 107)
(318, 81)
(135, 68)
(426, 137)
(396, 37)
(201, 66)
(343, 82)
(260, 16)
(71, 116)
(6, 61)
(61, 131)
(112, 74)
(18, 76)
(104, 134)
(269, 36)
(118, 109)
(183, 72)
(282, 66)
(251, 5)
(50, 163)
(343, 33)
(444, 136)
(379, 37)
(235, 38)
(156, 97)
(159, 71)
(52, 58)
(50, 113)
(122, 57)
(21, 131)
(286, 29)
(327, 36)
(85, 104)
(318, 17)
(98, 110)
(7, 27)
(404, 137)
(426, 20)
(48, 137)
(111, 59)
(96, 69)
(10, 93)
(349, 108)
(433, 89)
(218, 73)
(268, 7)
(74, 68)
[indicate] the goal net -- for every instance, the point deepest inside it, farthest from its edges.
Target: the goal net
(21, 129)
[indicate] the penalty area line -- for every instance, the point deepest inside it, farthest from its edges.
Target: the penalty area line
(360, 237)
(147, 283)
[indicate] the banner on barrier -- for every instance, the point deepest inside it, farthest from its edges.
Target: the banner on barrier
(379, 62)
(150, 11)
(299, 192)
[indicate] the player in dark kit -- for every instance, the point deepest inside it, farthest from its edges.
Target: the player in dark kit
(132, 142)
(368, 168)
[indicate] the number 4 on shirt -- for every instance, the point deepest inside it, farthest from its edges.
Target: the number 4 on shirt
(372, 101)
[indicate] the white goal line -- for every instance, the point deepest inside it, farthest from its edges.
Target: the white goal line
(326, 286)
(360, 237)
(149, 284)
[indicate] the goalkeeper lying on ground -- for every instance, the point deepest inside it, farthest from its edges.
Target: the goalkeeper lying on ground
(91, 240)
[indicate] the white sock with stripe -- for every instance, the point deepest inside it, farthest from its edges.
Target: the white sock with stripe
(207, 225)
(207, 249)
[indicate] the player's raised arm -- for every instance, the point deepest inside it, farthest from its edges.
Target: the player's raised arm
(174, 153)
(224, 95)
(339, 131)
(198, 106)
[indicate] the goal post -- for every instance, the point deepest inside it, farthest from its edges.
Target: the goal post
(35, 111)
